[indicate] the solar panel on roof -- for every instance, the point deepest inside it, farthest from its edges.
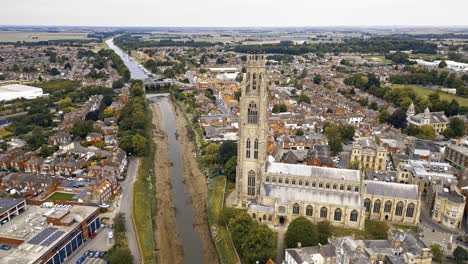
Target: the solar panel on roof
(52, 238)
(42, 235)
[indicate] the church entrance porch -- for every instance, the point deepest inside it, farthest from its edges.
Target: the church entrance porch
(281, 220)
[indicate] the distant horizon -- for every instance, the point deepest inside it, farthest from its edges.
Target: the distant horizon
(243, 27)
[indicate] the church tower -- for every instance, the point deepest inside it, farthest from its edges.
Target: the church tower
(253, 128)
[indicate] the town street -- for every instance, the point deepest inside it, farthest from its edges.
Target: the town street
(125, 206)
(101, 241)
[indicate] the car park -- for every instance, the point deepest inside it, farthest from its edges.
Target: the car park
(81, 260)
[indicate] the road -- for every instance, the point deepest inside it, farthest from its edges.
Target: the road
(125, 206)
(101, 242)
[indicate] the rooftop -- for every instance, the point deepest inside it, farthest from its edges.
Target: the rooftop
(31, 226)
(406, 191)
(313, 171)
(285, 194)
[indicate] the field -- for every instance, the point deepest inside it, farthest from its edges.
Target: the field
(381, 57)
(424, 91)
(226, 252)
(14, 36)
(4, 133)
(60, 196)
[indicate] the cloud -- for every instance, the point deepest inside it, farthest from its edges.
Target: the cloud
(234, 13)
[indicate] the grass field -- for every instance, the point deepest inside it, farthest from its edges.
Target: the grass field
(424, 91)
(372, 230)
(381, 57)
(9, 36)
(99, 47)
(413, 229)
(221, 238)
(4, 133)
(60, 196)
(144, 202)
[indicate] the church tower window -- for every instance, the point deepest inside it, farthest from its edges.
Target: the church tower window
(252, 116)
(251, 183)
(256, 149)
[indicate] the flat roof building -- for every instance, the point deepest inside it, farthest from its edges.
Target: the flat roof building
(48, 235)
(14, 91)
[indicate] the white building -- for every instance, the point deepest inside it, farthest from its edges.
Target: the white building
(224, 73)
(13, 91)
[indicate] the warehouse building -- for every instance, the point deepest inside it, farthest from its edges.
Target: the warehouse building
(14, 91)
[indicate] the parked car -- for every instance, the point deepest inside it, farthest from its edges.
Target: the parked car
(87, 180)
(90, 253)
(76, 185)
(96, 255)
(102, 253)
(5, 247)
(81, 260)
(104, 205)
(111, 234)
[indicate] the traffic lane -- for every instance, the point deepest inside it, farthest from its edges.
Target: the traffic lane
(100, 242)
(125, 206)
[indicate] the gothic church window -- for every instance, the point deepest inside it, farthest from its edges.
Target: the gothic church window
(252, 116)
(251, 183)
(295, 209)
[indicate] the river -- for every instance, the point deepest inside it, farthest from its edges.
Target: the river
(190, 239)
(136, 70)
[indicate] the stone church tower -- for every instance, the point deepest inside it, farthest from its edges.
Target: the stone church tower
(253, 127)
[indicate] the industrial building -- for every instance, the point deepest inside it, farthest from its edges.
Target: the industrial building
(14, 91)
(46, 235)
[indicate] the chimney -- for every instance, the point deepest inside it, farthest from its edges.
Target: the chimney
(299, 245)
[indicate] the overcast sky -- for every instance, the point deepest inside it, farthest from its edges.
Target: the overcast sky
(222, 13)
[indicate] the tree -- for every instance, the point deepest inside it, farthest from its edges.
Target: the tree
(303, 231)
(334, 139)
(437, 252)
(37, 138)
(317, 79)
(276, 109)
(230, 169)
(139, 144)
(458, 126)
(109, 112)
(253, 242)
(354, 165)
(137, 90)
(448, 133)
(283, 108)
(303, 99)
(210, 156)
(426, 132)
(373, 106)
(347, 132)
(398, 119)
(412, 130)
(121, 256)
(442, 64)
(126, 144)
(383, 116)
(460, 254)
(299, 132)
(226, 151)
(81, 129)
(64, 103)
